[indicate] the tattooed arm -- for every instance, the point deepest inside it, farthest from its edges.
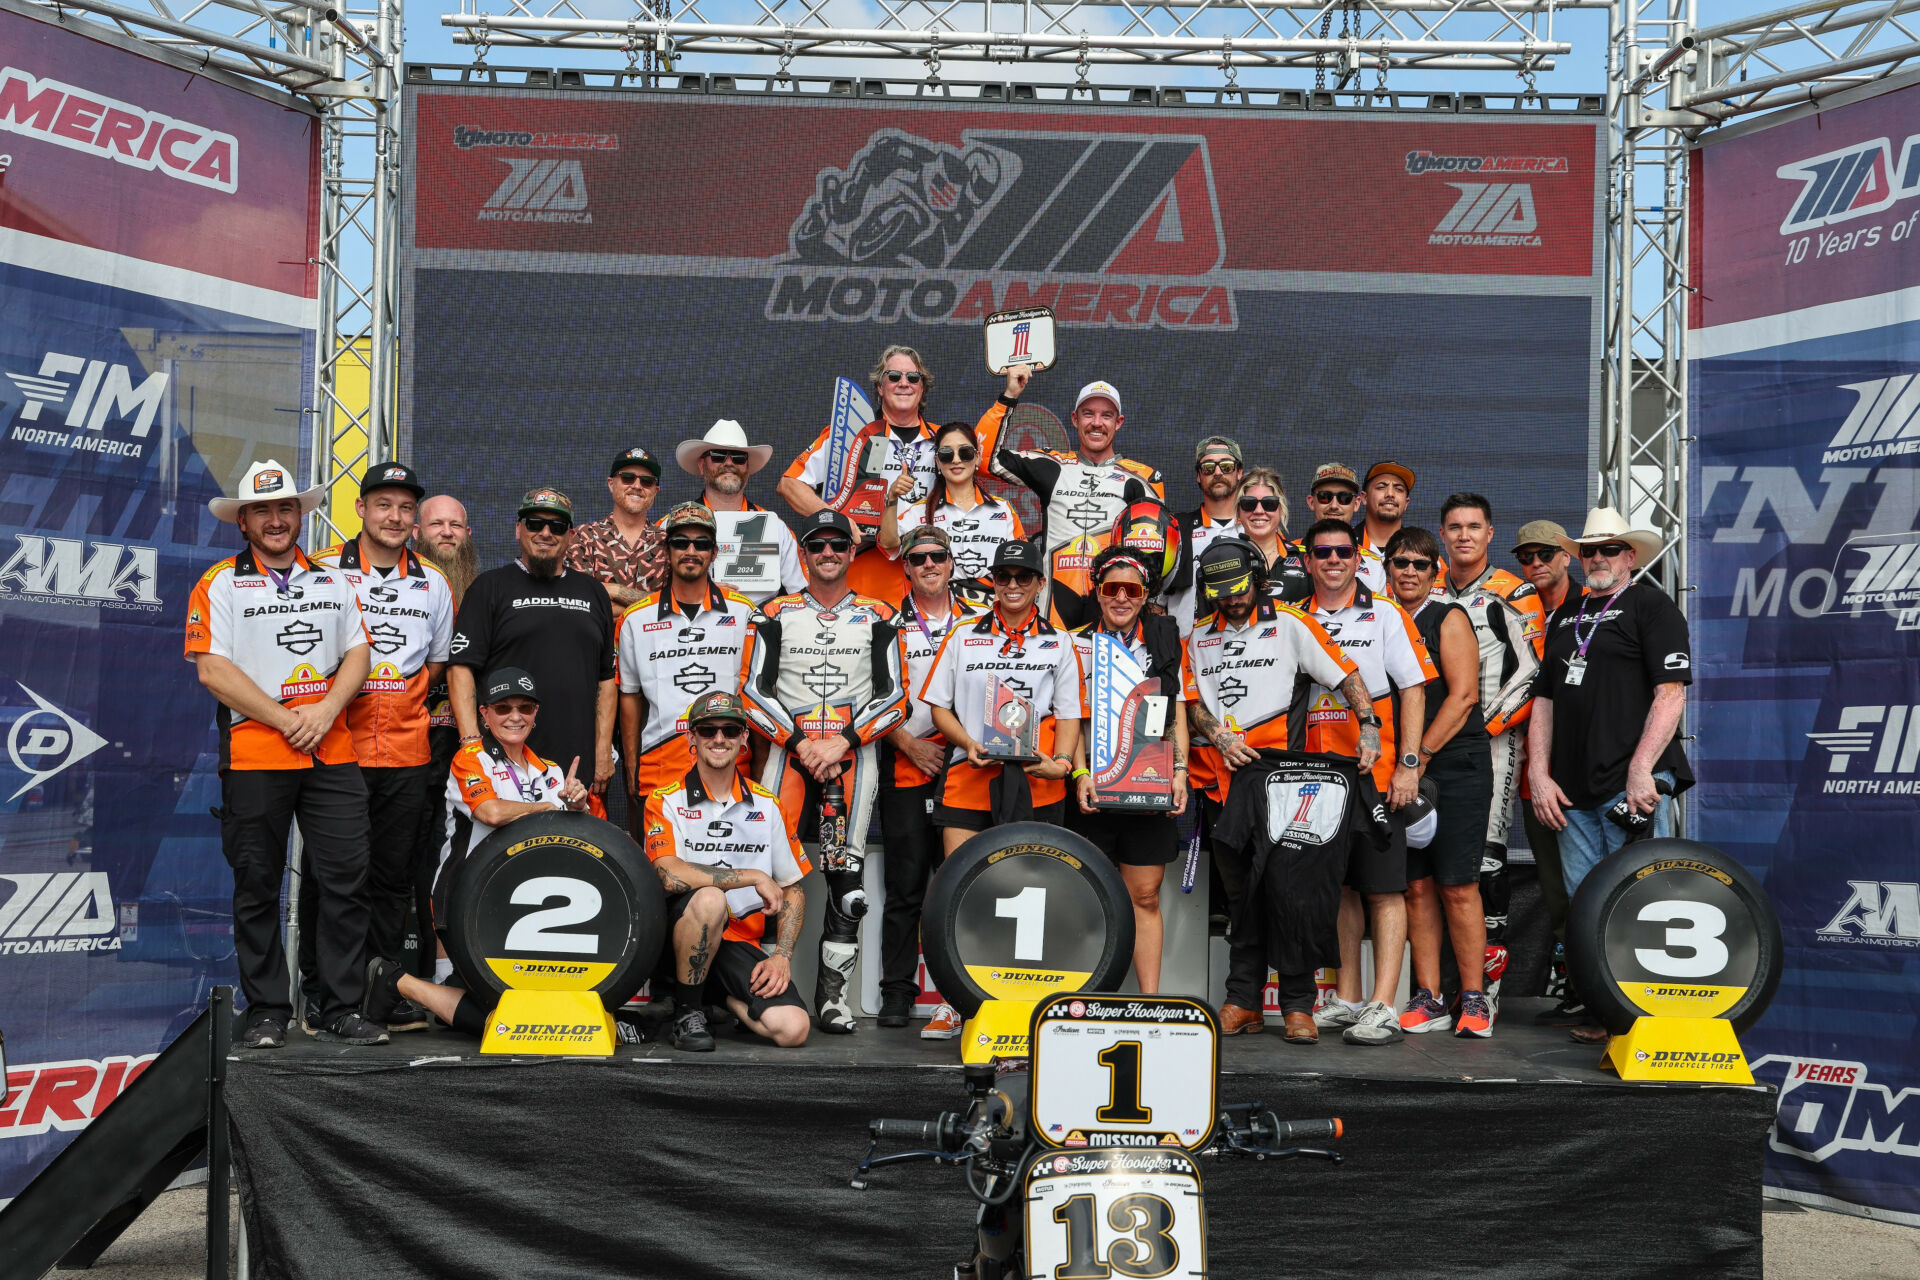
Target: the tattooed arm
(677, 875)
(774, 974)
(1207, 728)
(1353, 691)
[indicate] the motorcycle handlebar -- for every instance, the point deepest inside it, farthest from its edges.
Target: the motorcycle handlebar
(924, 1132)
(1289, 1132)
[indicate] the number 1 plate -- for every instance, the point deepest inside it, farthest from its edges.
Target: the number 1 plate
(1120, 1070)
(1094, 1215)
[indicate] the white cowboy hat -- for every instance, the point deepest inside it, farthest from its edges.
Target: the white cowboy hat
(266, 481)
(1604, 524)
(724, 434)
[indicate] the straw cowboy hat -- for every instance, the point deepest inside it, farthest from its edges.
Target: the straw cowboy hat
(724, 434)
(1605, 525)
(267, 481)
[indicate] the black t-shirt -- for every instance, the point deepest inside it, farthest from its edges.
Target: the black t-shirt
(1634, 643)
(560, 632)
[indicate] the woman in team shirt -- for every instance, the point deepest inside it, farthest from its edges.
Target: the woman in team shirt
(975, 521)
(1140, 843)
(1263, 522)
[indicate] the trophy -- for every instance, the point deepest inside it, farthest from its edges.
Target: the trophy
(1130, 754)
(1011, 730)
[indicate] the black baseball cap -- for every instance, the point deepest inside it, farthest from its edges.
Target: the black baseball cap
(1227, 567)
(392, 475)
(508, 682)
(825, 520)
(634, 457)
(1018, 553)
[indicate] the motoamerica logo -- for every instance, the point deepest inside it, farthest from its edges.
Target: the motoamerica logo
(1880, 913)
(1107, 229)
(1827, 1107)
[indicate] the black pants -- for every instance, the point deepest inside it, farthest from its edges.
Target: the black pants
(1246, 952)
(914, 851)
(394, 800)
(257, 812)
(444, 741)
(1296, 991)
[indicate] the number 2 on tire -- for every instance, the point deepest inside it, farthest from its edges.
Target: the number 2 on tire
(535, 930)
(1147, 1248)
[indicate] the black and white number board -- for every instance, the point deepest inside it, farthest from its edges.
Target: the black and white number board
(1115, 1211)
(1124, 1071)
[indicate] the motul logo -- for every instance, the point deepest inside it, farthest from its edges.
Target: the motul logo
(1884, 420)
(58, 911)
(83, 120)
(1490, 214)
(1882, 913)
(539, 191)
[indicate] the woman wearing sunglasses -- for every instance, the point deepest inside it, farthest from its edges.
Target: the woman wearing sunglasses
(1262, 507)
(975, 521)
(1456, 755)
(1140, 843)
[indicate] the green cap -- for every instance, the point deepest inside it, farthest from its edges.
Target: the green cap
(546, 498)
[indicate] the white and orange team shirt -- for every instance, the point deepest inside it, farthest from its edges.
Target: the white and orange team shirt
(409, 618)
(913, 453)
(1381, 640)
(975, 531)
(920, 640)
(290, 641)
(669, 659)
(1041, 665)
(741, 829)
(481, 772)
(1249, 677)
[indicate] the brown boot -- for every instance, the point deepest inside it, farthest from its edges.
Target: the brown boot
(1235, 1021)
(1300, 1029)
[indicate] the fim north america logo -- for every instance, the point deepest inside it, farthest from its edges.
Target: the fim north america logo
(939, 232)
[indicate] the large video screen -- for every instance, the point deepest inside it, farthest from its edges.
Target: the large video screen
(586, 270)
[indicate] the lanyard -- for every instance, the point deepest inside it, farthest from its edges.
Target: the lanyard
(519, 787)
(1580, 617)
(280, 580)
(953, 612)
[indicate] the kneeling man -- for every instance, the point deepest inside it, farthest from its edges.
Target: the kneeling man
(720, 845)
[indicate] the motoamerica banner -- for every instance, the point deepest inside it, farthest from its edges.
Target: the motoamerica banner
(156, 227)
(1805, 488)
(585, 270)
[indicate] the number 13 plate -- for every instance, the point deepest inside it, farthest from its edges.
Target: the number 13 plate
(1124, 1071)
(1099, 1214)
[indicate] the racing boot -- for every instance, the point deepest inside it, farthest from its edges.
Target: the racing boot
(1557, 973)
(1494, 970)
(831, 997)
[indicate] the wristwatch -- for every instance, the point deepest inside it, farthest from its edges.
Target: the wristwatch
(1369, 720)
(1411, 760)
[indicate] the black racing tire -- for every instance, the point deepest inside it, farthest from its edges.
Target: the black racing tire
(1606, 935)
(627, 928)
(1086, 927)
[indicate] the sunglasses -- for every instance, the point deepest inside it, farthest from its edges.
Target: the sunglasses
(1607, 552)
(1212, 468)
(681, 542)
(731, 732)
(822, 546)
(966, 453)
(1328, 553)
(546, 524)
(1123, 591)
(1014, 577)
(1259, 504)
(913, 379)
(918, 558)
(1342, 496)
(1544, 555)
(737, 457)
(1420, 564)
(640, 478)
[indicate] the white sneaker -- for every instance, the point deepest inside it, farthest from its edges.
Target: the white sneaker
(1377, 1024)
(943, 1025)
(1331, 1011)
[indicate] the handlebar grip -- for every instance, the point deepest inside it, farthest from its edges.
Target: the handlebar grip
(1295, 1131)
(924, 1132)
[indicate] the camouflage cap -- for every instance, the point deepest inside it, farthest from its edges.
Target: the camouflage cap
(717, 705)
(696, 514)
(546, 498)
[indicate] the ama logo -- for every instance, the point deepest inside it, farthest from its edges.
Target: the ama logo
(1107, 229)
(1850, 183)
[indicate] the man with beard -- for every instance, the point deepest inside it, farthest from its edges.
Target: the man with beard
(823, 685)
(557, 624)
(409, 617)
(1389, 492)
(444, 540)
(757, 556)
(1217, 464)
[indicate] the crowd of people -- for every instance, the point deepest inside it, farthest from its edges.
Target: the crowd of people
(751, 669)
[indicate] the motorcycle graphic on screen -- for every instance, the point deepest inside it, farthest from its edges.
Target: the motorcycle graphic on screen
(903, 202)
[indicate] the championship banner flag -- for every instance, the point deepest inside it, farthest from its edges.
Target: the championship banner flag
(1803, 499)
(1132, 769)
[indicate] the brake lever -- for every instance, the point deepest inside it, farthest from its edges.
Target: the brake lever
(859, 1182)
(1288, 1153)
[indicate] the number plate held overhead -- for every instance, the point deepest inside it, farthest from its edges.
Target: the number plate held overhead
(1020, 337)
(1124, 1071)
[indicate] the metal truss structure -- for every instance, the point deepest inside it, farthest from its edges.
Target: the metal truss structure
(1668, 79)
(343, 58)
